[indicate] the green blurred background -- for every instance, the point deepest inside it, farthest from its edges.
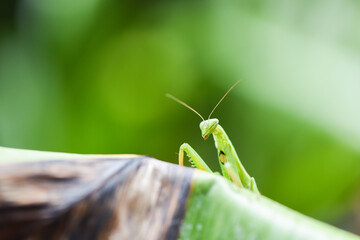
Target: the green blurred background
(90, 76)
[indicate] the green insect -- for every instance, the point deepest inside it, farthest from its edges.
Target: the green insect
(231, 166)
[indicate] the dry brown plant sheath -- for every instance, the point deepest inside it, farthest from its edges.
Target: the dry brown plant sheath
(112, 197)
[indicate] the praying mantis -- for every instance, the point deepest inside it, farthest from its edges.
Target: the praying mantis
(231, 167)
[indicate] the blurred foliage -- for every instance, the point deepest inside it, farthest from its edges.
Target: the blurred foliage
(90, 76)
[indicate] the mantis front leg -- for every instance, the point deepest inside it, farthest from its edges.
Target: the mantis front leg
(195, 158)
(199, 163)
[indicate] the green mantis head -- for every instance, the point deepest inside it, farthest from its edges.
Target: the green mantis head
(207, 127)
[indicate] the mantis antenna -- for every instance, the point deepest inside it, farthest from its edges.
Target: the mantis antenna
(223, 98)
(181, 102)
